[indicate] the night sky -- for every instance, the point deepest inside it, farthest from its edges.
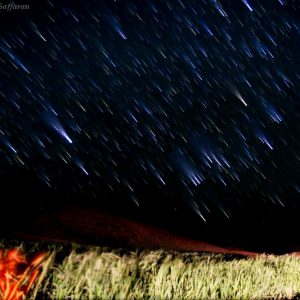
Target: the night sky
(172, 109)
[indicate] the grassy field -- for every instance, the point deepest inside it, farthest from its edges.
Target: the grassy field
(102, 273)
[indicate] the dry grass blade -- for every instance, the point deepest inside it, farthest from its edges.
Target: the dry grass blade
(173, 275)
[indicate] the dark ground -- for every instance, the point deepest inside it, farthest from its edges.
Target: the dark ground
(26, 201)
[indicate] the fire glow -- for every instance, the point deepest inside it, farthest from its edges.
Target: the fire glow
(17, 275)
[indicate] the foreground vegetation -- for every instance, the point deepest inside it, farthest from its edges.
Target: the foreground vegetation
(103, 273)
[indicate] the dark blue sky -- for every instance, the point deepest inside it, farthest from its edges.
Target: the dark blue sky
(185, 107)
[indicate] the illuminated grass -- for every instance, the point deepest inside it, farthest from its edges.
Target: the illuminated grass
(101, 273)
(98, 274)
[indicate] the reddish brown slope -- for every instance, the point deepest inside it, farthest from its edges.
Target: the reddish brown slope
(91, 226)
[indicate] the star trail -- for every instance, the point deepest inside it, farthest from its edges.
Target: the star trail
(198, 95)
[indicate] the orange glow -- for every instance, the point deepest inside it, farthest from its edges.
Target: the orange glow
(17, 275)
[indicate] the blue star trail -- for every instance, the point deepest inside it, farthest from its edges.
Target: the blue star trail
(201, 95)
